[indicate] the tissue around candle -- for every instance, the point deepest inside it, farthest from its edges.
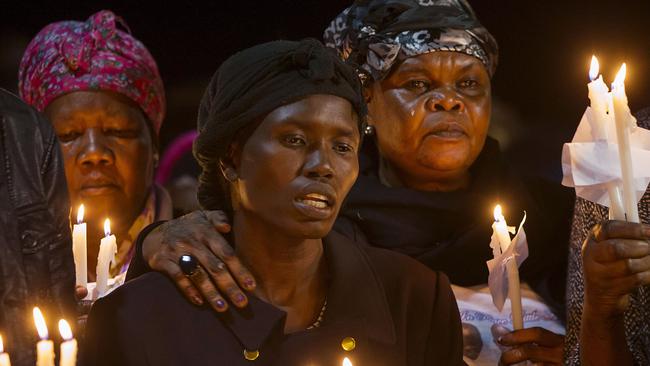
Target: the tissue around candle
(79, 249)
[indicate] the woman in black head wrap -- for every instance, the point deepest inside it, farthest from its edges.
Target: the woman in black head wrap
(430, 176)
(279, 130)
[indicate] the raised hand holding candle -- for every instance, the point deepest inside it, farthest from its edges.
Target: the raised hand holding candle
(624, 122)
(68, 356)
(45, 347)
(500, 229)
(107, 251)
(4, 356)
(79, 249)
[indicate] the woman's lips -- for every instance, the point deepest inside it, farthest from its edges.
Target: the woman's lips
(447, 131)
(98, 190)
(315, 205)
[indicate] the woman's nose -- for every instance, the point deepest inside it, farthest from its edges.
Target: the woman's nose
(446, 101)
(318, 164)
(94, 150)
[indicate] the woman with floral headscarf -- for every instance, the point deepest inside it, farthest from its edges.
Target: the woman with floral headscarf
(430, 176)
(100, 88)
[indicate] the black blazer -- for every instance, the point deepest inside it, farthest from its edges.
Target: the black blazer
(397, 311)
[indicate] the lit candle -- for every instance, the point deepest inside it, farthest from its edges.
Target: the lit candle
(600, 103)
(79, 249)
(624, 121)
(599, 97)
(45, 347)
(347, 362)
(500, 228)
(107, 250)
(4, 356)
(68, 355)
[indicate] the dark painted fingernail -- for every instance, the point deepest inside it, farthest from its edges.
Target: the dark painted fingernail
(197, 300)
(240, 298)
(220, 304)
(249, 283)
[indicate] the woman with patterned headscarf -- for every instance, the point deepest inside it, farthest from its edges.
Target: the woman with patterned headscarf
(100, 88)
(430, 176)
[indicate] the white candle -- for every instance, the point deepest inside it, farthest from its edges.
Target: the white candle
(500, 228)
(600, 104)
(624, 121)
(45, 347)
(347, 362)
(4, 356)
(599, 97)
(68, 356)
(79, 249)
(107, 250)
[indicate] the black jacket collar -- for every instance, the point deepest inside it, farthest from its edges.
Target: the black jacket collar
(355, 296)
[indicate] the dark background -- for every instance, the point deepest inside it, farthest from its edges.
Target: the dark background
(540, 86)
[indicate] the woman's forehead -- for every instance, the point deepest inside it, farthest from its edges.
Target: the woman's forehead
(314, 108)
(438, 60)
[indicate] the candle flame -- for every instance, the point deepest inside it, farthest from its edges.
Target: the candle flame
(594, 70)
(347, 362)
(2, 346)
(620, 77)
(498, 214)
(80, 214)
(107, 227)
(41, 327)
(64, 329)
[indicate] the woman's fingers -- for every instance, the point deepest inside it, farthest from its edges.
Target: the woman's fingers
(191, 292)
(202, 281)
(533, 353)
(222, 249)
(613, 229)
(219, 274)
(614, 249)
(537, 335)
(218, 219)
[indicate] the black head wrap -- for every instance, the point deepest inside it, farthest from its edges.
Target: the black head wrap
(374, 35)
(251, 84)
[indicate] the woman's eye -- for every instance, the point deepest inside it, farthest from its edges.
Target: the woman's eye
(418, 85)
(68, 136)
(343, 148)
(469, 84)
(121, 133)
(294, 140)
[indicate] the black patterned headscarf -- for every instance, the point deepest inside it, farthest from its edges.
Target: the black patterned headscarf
(375, 35)
(251, 84)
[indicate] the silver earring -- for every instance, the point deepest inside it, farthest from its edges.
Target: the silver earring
(369, 130)
(230, 175)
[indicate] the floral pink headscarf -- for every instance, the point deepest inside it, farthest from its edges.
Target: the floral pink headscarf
(73, 56)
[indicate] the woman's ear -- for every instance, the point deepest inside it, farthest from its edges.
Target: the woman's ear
(229, 165)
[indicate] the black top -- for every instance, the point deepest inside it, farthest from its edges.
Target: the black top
(397, 310)
(450, 231)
